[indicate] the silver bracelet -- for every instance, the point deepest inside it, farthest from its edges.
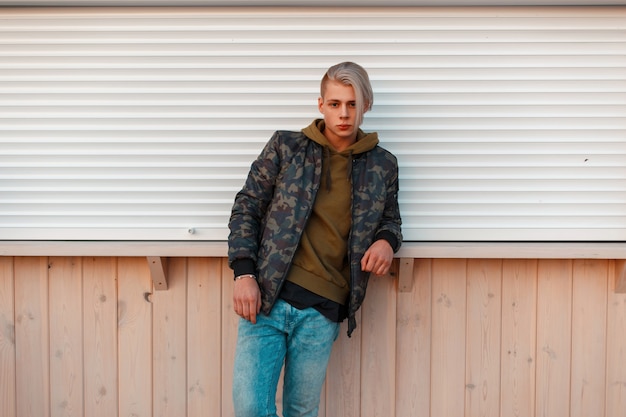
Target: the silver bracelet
(238, 277)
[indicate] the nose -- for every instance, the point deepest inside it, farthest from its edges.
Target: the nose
(344, 111)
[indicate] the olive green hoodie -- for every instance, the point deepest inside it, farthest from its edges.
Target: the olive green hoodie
(320, 264)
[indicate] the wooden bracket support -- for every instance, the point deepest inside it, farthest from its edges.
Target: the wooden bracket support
(620, 276)
(405, 275)
(158, 271)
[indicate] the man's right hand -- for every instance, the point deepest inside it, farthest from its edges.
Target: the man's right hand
(247, 298)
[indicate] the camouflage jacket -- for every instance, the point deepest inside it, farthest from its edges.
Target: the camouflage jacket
(271, 211)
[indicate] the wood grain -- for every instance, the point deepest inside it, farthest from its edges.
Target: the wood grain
(413, 344)
(169, 342)
(100, 336)
(378, 355)
(519, 338)
(449, 309)
(204, 343)
(66, 336)
(228, 338)
(472, 337)
(589, 321)
(7, 339)
(554, 337)
(616, 352)
(342, 392)
(32, 337)
(135, 338)
(484, 321)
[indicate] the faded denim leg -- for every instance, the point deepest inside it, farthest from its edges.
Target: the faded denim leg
(302, 339)
(308, 353)
(259, 357)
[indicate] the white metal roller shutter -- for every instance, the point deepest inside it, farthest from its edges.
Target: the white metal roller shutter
(140, 124)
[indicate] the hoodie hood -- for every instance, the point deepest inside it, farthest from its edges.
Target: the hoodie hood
(364, 141)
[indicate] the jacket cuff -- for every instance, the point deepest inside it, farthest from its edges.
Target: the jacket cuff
(389, 237)
(243, 266)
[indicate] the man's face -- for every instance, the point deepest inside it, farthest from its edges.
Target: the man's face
(339, 109)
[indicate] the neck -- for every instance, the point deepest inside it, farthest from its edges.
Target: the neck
(340, 144)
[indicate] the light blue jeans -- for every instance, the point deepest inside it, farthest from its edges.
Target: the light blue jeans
(301, 340)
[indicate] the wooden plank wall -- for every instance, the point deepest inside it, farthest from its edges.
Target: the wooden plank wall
(475, 337)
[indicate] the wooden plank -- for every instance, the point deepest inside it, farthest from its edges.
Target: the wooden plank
(100, 336)
(519, 338)
(204, 342)
(134, 337)
(66, 336)
(616, 351)
(425, 250)
(590, 283)
(32, 341)
(378, 355)
(169, 313)
(413, 344)
(342, 393)
(510, 250)
(620, 276)
(484, 309)
(218, 249)
(406, 278)
(448, 338)
(554, 338)
(114, 248)
(7, 339)
(521, 309)
(321, 412)
(229, 339)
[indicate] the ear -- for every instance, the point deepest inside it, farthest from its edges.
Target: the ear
(320, 104)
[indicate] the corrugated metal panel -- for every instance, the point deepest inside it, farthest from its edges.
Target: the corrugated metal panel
(141, 123)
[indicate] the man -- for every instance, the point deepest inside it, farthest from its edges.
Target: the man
(318, 213)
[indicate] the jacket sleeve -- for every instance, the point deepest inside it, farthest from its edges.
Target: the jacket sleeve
(390, 227)
(249, 209)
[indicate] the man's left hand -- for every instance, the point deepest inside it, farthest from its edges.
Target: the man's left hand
(377, 258)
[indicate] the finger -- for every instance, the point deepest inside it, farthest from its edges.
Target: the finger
(384, 267)
(364, 261)
(251, 311)
(372, 265)
(368, 264)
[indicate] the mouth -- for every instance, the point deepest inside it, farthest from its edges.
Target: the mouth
(344, 127)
